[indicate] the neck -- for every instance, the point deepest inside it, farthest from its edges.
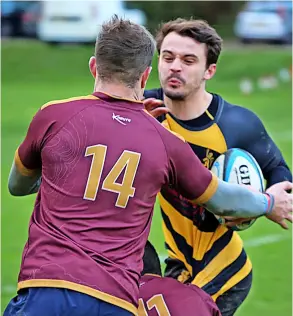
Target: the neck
(118, 90)
(191, 107)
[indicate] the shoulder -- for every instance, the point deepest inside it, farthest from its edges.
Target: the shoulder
(69, 100)
(57, 112)
(64, 109)
(159, 283)
(154, 93)
(238, 116)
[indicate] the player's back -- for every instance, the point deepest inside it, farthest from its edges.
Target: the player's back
(103, 162)
(168, 297)
(98, 161)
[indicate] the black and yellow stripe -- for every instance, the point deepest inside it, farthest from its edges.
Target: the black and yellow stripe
(230, 276)
(212, 254)
(210, 137)
(216, 260)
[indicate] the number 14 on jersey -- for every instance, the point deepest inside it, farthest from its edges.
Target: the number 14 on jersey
(127, 161)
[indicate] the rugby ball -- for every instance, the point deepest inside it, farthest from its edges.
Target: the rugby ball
(239, 167)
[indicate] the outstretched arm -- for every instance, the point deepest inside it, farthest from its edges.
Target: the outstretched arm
(235, 200)
(195, 182)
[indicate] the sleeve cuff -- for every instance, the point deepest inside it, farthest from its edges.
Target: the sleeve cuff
(21, 168)
(209, 192)
(270, 203)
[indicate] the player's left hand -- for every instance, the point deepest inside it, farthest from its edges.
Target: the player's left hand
(231, 221)
(153, 106)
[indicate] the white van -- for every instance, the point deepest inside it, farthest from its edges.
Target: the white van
(79, 21)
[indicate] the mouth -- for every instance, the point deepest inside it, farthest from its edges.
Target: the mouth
(173, 82)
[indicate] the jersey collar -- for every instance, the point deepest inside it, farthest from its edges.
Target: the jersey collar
(129, 103)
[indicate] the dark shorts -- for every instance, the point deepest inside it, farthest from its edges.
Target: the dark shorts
(228, 302)
(59, 302)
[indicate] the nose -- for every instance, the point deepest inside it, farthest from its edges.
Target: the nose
(176, 65)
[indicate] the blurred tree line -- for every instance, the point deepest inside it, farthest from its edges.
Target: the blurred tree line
(219, 14)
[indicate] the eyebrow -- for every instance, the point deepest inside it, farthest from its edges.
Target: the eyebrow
(186, 55)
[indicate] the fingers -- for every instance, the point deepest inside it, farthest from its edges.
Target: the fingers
(230, 218)
(280, 187)
(286, 185)
(283, 224)
(290, 197)
(233, 223)
(289, 217)
(152, 103)
(159, 111)
(153, 106)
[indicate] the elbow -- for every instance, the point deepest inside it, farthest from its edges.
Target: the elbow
(20, 185)
(14, 190)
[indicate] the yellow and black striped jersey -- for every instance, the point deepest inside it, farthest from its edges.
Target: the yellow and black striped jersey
(212, 254)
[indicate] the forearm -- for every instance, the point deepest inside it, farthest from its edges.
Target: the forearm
(278, 174)
(20, 185)
(237, 201)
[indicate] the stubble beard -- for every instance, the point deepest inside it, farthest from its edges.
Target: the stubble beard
(181, 96)
(175, 96)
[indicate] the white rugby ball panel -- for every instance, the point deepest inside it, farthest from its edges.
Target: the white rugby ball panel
(242, 168)
(239, 167)
(218, 167)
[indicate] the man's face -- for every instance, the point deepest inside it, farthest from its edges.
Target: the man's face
(182, 66)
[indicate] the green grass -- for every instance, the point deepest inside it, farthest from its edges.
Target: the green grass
(33, 74)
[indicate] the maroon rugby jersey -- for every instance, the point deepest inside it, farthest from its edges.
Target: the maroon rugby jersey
(168, 297)
(103, 161)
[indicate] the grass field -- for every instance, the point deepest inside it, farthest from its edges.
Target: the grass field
(33, 74)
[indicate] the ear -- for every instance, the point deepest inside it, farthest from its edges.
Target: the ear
(93, 66)
(209, 73)
(145, 77)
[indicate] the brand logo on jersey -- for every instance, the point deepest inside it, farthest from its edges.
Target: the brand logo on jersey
(184, 276)
(120, 119)
(209, 159)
